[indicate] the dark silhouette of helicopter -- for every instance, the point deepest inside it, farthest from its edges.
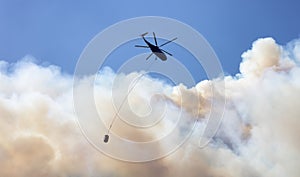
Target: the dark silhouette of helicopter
(155, 49)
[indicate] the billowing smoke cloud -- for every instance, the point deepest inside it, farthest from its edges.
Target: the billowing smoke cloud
(258, 136)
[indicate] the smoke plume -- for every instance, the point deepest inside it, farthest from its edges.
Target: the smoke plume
(258, 136)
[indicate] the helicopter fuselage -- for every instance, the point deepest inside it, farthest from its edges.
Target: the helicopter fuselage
(156, 50)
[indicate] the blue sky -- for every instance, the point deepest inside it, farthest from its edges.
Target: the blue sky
(57, 31)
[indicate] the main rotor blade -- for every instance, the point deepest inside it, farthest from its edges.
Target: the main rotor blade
(143, 46)
(155, 38)
(168, 42)
(166, 52)
(149, 56)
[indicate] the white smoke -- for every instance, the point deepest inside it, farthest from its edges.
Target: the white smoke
(258, 136)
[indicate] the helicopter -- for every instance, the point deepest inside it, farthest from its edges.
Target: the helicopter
(155, 49)
(158, 52)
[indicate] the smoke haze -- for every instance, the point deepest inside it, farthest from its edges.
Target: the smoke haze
(258, 136)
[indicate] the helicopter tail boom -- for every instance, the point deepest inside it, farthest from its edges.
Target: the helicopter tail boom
(144, 34)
